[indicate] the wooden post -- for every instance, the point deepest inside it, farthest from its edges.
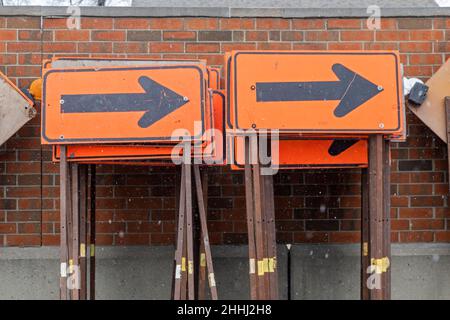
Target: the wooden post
(180, 239)
(83, 233)
(379, 205)
(75, 266)
(189, 231)
(250, 222)
(271, 236)
(92, 197)
(64, 207)
(202, 259)
(204, 232)
(365, 238)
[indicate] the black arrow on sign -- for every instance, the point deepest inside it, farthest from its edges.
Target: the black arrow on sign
(157, 101)
(340, 145)
(352, 90)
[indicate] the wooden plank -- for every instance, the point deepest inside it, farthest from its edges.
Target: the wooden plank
(202, 263)
(63, 252)
(189, 231)
(76, 231)
(180, 238)
(92, 219)
(83, 232)
(265, 231)
(259, 229)
(376, 211)
(387, 217)
(271, 236)
(204, 230)
(365, 259)
(250, 222)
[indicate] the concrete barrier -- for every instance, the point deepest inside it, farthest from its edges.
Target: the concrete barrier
(419, 271)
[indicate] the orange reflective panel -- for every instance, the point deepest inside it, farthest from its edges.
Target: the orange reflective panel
(122, 104)
(314, 153)
(316, 92)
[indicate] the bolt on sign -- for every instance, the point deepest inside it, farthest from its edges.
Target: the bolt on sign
(330, 92)
(122, 104)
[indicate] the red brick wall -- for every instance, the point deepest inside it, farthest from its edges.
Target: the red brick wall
(136, 204)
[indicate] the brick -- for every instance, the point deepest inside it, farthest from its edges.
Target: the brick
(215, 35)
(23, 22)
(236, 23)
(415, 165)
(414, 23)
(203, 47)
(23, 47)
(396, 35)
(416, 47)
(8, 35)
(256, 36)
(143, 35)
(321, 35)
(23, 240)
(71, 35)
(134, 47)
(131, 23)
(172, 23)
(427, 224)
(179, 35)
(357, 35)
(166, 47)
(322, 225)
(416, 236)
(54, 47)
(272, 24)
(201, 24)
(55, 23)
(344, 24)
(96, 23)
(108, 35)
(416, 213)
(291, 36)
(344, 237)
(7, 228)
(427, 35)
(302, 24)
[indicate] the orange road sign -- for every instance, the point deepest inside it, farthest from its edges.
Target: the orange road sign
(213, 78)
(213, 150)
(316, 92)
(122, 104)
(313, 153)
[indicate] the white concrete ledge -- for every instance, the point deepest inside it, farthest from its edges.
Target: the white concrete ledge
(278, 12)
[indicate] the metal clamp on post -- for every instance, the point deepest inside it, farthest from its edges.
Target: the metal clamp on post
(381, 265)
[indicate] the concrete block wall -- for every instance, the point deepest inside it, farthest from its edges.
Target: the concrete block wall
(419, 271)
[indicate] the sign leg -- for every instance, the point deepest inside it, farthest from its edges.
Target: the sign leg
(180, 239)
(92, 197)
(365, 259)
(83, 232)
(204, 231)
(74, 264)
(379, 229)
(64, 207)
